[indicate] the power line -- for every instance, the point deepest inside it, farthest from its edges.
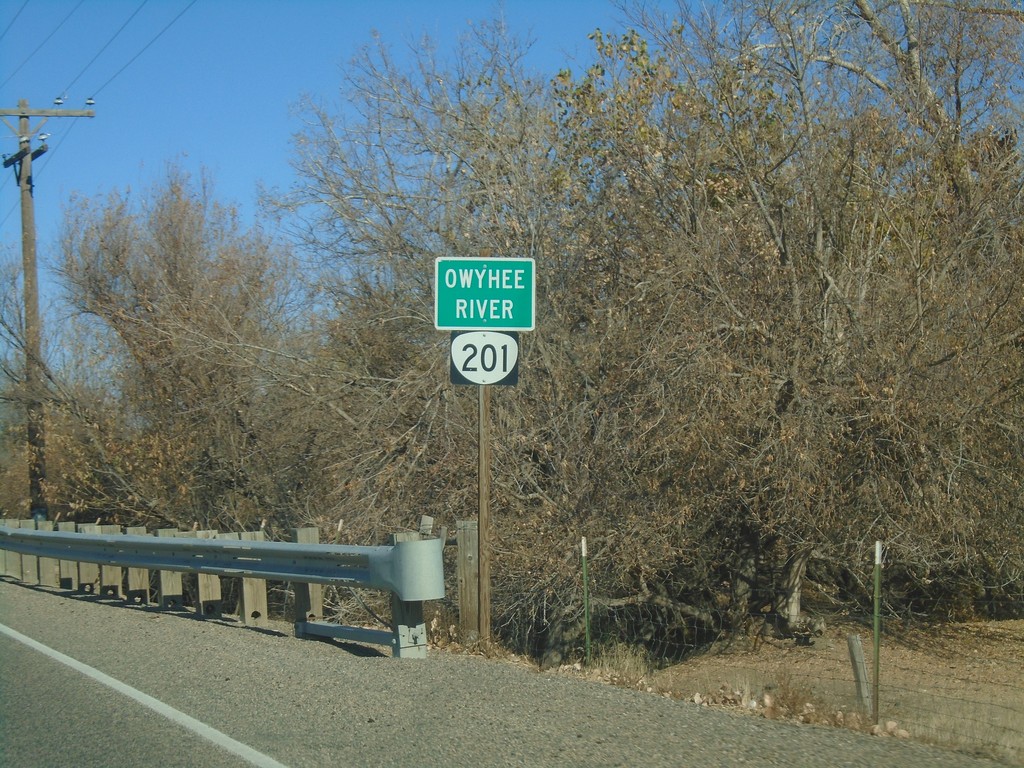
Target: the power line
(106, 45)
(11, 24)
(13, 208)
(45, 162)
(46, 159)
(45, 41)
(144, 48)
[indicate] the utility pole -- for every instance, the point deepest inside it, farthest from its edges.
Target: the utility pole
(22, 163)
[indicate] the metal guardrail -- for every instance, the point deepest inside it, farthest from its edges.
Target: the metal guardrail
(412, 571)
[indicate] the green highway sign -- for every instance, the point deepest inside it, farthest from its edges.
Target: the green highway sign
(484, 294)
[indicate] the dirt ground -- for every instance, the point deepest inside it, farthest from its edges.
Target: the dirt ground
(960, 685)
(956, 685)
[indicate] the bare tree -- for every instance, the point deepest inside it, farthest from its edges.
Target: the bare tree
(759, 318)
(777, 248)
(197, 309)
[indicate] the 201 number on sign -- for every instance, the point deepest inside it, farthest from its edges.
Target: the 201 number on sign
(485, 357)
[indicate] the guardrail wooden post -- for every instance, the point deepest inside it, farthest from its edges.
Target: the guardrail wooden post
(138, 578)
(111, 576)
(49, 569)
(3, 552)
(171, 592)
(29, 563)
(12, 563)
(88, 573)
(68, 568)
(210, 600)
(468, 577)
(309, 598)
(253, 598)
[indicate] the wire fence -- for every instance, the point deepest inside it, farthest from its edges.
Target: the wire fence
(958, 684)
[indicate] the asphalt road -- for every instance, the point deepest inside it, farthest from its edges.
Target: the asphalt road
(312, 703)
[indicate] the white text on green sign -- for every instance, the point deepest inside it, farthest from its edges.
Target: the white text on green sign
(484, 294)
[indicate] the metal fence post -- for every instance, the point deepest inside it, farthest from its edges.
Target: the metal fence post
(877, 628)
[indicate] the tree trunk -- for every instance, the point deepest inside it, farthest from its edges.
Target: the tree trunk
(787, 604)
(744, 579)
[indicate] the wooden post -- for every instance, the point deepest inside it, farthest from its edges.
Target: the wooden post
(253, 599)
(138, 578)
(34, 376)
(189, 586)
(484, 529)
(68, 568)
(309, 598)
(49, 569)
(209, 600)
(34, 379)
(468, 577)
(860, 671)
(12, 561)
(29, 563)
(88, 573)
(171, 591)
(111, 576)
(3, 552)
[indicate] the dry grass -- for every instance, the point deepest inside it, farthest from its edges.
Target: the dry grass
(622, 664)
(960, 686)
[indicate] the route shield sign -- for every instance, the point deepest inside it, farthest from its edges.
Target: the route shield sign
(484, 294)
(485, 357)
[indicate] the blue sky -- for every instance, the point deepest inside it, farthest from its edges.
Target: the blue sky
(211, 84)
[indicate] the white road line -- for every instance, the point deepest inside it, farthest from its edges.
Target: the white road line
(200, 729)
